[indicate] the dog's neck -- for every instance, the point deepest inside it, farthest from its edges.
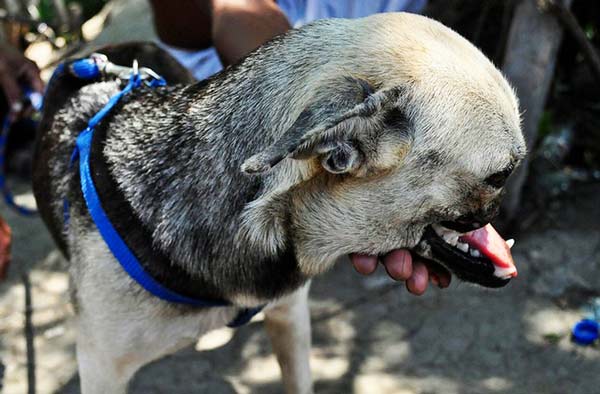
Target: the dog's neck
(181, 170)
(181, 175)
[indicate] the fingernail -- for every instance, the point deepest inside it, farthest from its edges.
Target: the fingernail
(402, 269)
(435, 280)
(406, 265)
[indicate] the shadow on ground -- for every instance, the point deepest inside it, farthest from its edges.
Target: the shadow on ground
(460, 340)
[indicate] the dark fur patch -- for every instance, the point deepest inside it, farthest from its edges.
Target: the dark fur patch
(60, 89)
(395, 119)
(365, 89)
(432, 160)
(137, 236)
(264, 276)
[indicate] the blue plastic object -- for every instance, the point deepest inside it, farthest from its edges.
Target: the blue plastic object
(85, 69)
(586, 332)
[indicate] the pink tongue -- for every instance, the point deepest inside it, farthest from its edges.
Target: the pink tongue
(492, 245)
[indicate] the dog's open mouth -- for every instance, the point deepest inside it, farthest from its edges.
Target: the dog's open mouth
(480, 256)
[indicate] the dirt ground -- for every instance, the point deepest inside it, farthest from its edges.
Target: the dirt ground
(369, 335)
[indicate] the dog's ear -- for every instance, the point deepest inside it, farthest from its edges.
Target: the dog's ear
(342, 133)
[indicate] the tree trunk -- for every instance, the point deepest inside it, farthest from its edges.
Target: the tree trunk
(529, 65)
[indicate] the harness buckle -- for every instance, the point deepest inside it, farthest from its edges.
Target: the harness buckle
(109, 69)
(146, 73)
(135, 69)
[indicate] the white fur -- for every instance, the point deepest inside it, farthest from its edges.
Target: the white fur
(120, 330)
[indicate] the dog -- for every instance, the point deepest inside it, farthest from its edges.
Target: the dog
(344, 136)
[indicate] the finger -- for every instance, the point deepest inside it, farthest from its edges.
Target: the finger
(444, 279)
(363, 263)
(417, 283)
(398, 264)
(438, 275)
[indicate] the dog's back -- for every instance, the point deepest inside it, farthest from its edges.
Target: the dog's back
(67, 106)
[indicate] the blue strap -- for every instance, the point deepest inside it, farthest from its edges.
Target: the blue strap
(111, 237)
(115, 243)
(244, 316)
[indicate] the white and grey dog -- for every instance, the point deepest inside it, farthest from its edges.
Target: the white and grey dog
(345, 136)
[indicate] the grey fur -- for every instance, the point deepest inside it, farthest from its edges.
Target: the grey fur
(360, 133)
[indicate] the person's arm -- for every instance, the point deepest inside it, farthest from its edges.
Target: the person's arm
(240, 26)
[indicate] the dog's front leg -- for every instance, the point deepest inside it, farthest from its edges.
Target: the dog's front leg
(288, 327)
(98, 371)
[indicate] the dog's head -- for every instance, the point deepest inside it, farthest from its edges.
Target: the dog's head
(409, 148)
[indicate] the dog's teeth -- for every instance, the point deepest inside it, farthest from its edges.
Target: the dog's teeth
(438, 229)
(463, 247)
(450, 238)
(510, 243)
(475, 252)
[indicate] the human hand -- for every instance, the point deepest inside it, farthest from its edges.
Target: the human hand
(15, 68)
(400, 265)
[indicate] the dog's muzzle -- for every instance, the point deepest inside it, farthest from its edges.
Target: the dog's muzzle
(474, 254)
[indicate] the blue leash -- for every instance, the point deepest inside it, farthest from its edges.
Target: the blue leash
(111, 237)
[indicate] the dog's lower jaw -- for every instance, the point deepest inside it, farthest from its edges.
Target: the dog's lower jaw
(311, 266)
(314, 259)
(318, 252)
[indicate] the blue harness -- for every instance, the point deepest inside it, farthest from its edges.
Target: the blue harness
(89, 69)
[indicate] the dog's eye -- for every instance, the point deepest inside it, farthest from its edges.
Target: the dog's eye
(498, 179)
